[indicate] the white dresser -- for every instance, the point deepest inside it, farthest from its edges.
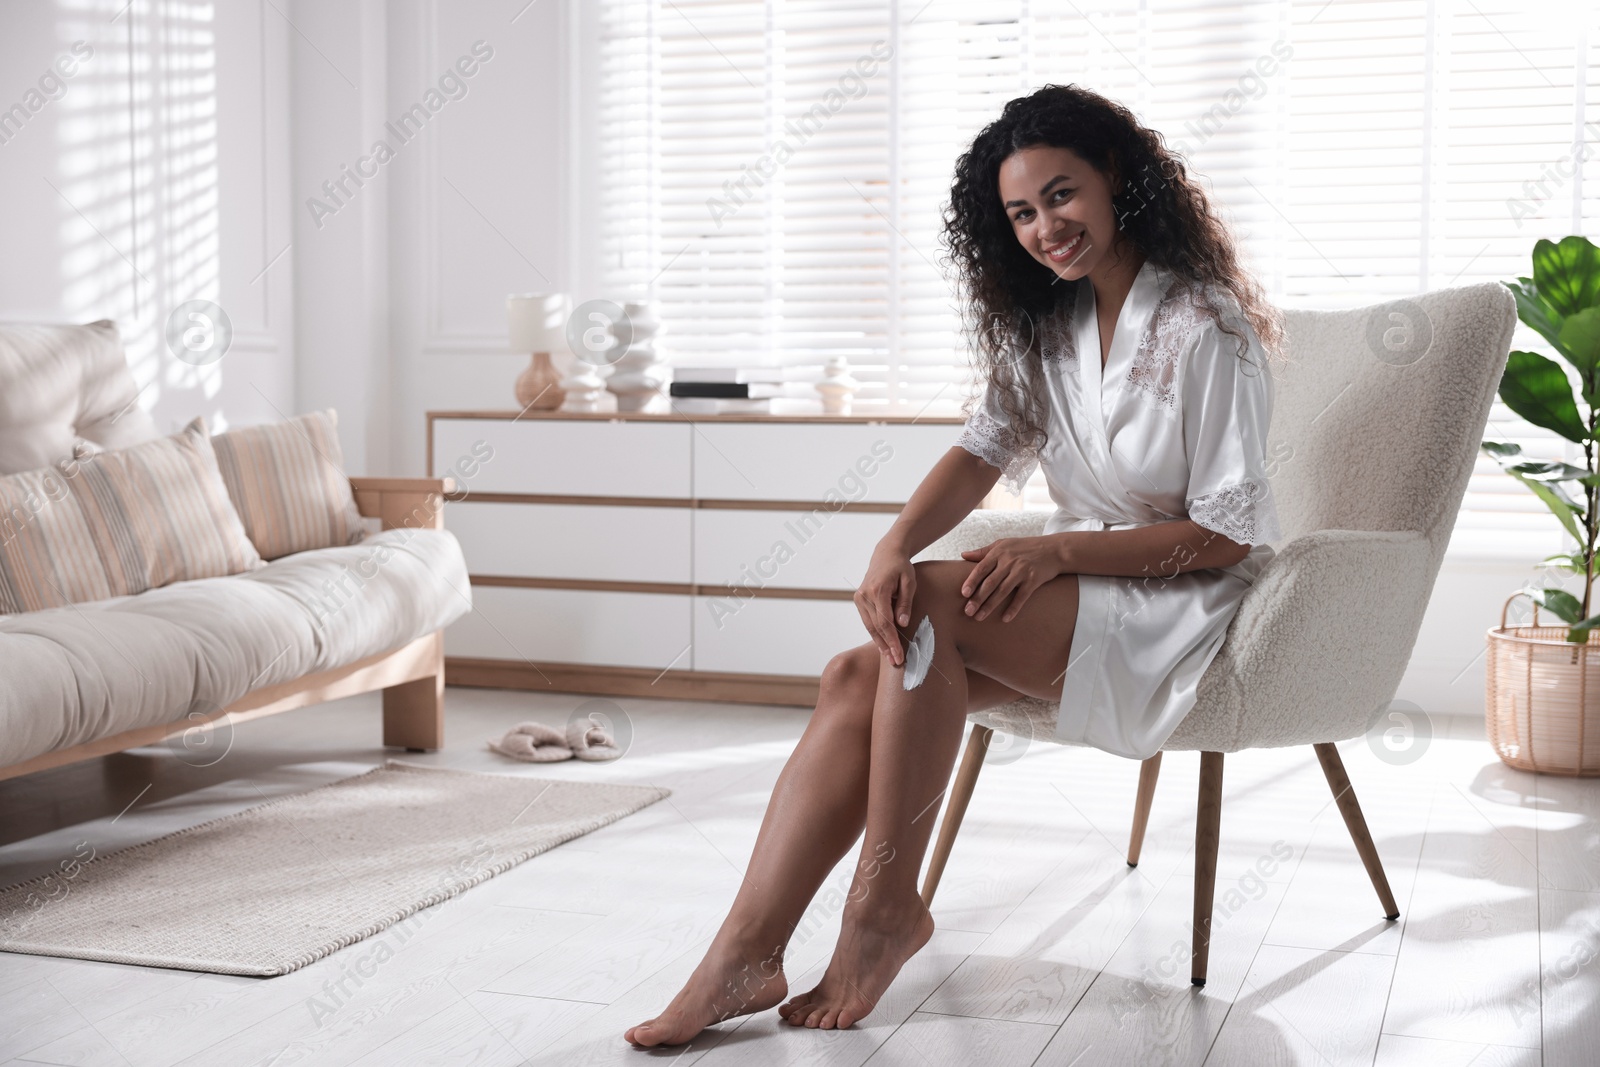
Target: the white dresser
(649, 555)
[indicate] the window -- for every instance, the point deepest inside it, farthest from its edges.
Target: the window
(773, 172)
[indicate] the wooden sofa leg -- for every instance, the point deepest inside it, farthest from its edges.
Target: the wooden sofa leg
(1208, 830)
(1350, 808)
(1148, 770)
(956, 809)
(413, 714)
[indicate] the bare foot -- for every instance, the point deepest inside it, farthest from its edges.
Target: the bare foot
(871, 951)
(728, 983)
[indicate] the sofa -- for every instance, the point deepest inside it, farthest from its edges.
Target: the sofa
(189, 659)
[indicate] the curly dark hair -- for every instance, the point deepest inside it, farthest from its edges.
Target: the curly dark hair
(1160, 209)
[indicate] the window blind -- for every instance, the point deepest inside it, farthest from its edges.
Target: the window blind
(773, 171)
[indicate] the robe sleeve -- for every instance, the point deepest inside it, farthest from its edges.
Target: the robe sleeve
(1227, 407)
(988, 434)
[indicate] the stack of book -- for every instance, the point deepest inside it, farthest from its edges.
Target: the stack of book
(726, 390)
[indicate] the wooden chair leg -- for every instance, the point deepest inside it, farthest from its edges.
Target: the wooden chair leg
(413, 714)
(1350, 808)
(956, 809)
(1148, 770)
(1208, 829)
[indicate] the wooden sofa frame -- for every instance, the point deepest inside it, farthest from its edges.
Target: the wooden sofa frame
(411, 677)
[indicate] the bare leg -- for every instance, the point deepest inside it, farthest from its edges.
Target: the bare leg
(817, 811)
(915, 736)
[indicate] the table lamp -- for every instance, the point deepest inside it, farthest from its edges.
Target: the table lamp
(537, 323)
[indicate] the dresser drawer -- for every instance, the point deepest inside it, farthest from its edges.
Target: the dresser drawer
(573, 626)
(881, 462)
(820, 549)
(772, 635)
(609, 543)
(564, 457)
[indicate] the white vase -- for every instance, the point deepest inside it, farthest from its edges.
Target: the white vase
(837, 387)
(638, 378)
(584, 388)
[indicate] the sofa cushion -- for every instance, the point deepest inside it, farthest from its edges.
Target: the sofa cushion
(61, 386)
(118, 523)
(287, 482)
(74, 674)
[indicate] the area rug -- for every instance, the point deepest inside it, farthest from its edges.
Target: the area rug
(273, 888)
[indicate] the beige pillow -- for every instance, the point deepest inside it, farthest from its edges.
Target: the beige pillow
(118, 523)
(287, 482)
(63, 385)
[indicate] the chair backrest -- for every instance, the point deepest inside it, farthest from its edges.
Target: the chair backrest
(1379, 411)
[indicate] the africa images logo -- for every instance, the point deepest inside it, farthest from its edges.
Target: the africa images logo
(452, 85)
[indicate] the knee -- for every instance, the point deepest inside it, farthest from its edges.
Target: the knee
(850, 684)
(852, 672)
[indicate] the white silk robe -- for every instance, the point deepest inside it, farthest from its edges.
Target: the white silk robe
(1174, 426)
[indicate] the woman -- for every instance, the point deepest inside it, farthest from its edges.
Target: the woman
(1123, 347)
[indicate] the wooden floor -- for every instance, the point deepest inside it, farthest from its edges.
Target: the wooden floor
(1050, 949)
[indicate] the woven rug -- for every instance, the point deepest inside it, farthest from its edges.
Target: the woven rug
(271, 889)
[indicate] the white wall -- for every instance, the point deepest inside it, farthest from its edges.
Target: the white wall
(479, 203)
(156, 174)
(341, 254)
(400, 281)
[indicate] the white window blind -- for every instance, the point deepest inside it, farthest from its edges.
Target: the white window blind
(773, 171)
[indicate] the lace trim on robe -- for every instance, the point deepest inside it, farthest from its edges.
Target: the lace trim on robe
(1155, 363)
(1058, 342)
(1244, 512)
(996, 445)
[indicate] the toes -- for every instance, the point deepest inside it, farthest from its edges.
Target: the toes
(829, 1018)
(648, 1035)
(814, 1019)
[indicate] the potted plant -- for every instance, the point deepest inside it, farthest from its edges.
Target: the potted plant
(1542, 706)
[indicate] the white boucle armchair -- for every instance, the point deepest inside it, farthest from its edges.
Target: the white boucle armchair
(1378, 415)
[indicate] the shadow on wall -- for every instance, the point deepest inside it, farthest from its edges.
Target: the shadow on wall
(137, 189)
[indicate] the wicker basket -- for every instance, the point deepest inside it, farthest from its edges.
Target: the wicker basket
(1542, 703)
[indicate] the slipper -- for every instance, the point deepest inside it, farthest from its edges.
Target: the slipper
(533, 742)
(590, 741)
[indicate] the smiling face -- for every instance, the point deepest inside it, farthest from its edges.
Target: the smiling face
(1060, 209)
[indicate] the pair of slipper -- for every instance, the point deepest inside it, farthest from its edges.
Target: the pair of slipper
(534, 742)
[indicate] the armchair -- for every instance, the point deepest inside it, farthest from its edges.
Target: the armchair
(1376, 424)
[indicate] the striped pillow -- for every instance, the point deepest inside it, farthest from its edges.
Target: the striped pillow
(118, 523)
(287, 482)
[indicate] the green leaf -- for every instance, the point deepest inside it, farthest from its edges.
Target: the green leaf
(1537, 389)
(1579, 633)
(1569, 561)
(1565, 509)
(1567, 274)
(1580, 340)
(1509, 456)
(1541, 471)
(1544, 480)
(1560, 603)
(1535, 313)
